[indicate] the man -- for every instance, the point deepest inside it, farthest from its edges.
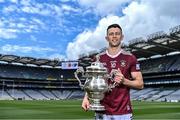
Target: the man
(127, 75)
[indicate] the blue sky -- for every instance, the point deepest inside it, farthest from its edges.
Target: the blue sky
(65, 29)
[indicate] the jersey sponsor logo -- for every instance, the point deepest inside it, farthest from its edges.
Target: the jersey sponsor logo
(128, 107)
(123, 63)
(104, 64)
(137, 66)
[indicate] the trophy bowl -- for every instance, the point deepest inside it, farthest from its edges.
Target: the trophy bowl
(95, 84)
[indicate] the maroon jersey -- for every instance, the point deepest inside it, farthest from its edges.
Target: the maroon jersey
(117, 101)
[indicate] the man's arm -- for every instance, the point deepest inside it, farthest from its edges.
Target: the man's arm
(137, 81)
(85, 103)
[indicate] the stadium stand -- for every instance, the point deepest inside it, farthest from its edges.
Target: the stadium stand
(27, 78)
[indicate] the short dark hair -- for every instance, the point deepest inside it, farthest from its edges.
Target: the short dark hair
(114, 26)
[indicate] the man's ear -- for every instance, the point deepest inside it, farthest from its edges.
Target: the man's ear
(106, 38)
(122, 37)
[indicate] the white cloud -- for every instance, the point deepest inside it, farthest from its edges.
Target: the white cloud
(9, 28)
(25, 2)
(36, 10)
(14, 1)
(32, 7)
(145, 17)
(90, 40)
(69, 8)
(38, 41)
(1, 23)
(23, 49)
(57, 56)
(7, 33)
(33, 38)
(103, 8)
(9, 8)
(66, 0)
(38, 16)
(39, 23)
(140, 18)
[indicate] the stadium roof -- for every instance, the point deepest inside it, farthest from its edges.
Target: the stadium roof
(28, 60)
(158, 43)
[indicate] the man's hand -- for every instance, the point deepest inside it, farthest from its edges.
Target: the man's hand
(85, 103)
(119, 77)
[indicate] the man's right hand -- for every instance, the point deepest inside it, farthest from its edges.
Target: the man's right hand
(85, 103)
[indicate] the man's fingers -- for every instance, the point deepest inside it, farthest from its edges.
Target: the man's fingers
(119, 70)
(119, 78)
(85, 107)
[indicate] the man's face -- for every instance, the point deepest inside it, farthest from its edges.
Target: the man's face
(114, 37)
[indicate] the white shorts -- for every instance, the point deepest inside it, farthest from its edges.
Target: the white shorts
(113, 117)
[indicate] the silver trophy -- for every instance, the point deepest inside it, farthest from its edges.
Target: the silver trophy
(96, 84)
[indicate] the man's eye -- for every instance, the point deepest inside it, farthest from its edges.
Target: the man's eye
(117, 33)
(111, 33)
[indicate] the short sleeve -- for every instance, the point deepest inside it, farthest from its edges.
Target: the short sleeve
(135, 65)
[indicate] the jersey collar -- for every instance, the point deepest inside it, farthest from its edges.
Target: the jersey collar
(113, 56)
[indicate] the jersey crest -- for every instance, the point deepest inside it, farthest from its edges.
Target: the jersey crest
(123, 63)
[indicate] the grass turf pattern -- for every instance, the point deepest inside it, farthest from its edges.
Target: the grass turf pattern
(71, 109)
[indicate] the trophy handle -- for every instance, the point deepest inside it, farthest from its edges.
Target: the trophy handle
(79, 70)
(111, 76)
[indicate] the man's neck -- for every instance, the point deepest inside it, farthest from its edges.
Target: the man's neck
(114, 50)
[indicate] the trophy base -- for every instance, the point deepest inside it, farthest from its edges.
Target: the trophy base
(96, 108)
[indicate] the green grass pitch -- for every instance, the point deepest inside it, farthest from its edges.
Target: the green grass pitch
(71, 109)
